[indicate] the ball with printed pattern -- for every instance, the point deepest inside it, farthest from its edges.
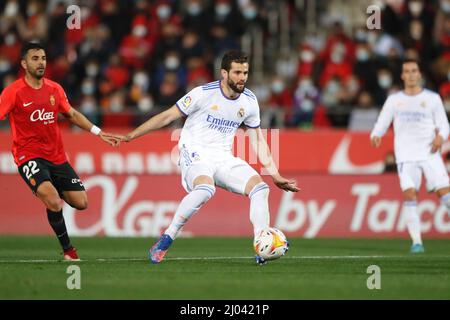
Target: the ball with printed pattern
(271, 244)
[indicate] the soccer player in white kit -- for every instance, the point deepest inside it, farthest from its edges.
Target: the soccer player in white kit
(214, 112)
(420, 128)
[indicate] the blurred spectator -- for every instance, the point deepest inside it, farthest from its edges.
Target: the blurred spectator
(364, 115)
(279, 104)
(136, 48)
(306, 98)
(384, 82)
(127, 51)
(117, 72)
(171, 64)
(195, 18)
(225, 26)
(169, 91)
(34, 25)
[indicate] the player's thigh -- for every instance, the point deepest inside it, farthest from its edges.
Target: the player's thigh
(76, 199)
(197, 173)
(195, 168)
(47, 193)
(410, 175)
(234, 175)
(34, 172)
(65, 178)
(435, 173)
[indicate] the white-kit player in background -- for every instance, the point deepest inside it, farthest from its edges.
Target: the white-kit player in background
(214, 112)
(420, 128)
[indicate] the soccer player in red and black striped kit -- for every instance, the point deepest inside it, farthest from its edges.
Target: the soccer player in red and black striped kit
(32, 104)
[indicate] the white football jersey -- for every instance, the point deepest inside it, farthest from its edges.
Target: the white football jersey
(212, 118)
(416, 119)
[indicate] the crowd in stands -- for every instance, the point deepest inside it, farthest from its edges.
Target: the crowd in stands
(131, 59)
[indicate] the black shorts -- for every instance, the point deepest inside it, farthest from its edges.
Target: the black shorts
(62, 176)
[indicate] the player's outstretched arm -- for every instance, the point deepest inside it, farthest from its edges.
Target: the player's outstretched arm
(154, 123)
(81, 121)
(261, 148)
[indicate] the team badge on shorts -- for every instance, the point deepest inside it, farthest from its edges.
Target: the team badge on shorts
(52, 100)
(241, 113)
(32, 182)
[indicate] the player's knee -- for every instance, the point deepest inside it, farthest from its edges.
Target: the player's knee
(410, 195)
(252, 183)
(208, 190)
(261, 188)
(81, 203)
(53, 203)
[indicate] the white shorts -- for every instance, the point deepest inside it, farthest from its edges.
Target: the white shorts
(227, 171)
(410, 173)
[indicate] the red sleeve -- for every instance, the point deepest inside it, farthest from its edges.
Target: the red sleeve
(7, 102)
(64, 105)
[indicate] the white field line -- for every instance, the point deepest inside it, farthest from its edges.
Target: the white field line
(217, 258)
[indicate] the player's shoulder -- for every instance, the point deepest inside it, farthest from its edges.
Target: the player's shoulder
(395, 95)
(248, 93)
(430, 93)
(211, 86)
(53, 84)
(15, 86)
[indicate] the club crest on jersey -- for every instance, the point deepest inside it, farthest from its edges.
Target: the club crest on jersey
(241, 112)
(215, 107)
(52, 100)
(423, 104)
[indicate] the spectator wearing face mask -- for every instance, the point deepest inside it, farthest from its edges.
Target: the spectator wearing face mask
(11, 47)
(338, 65)
(194, 17)
(171, 64)
(384, 82)
(136, 48)
(306, 99)
(364, 67)
(226, 26)
(280, 102)
(307, 64)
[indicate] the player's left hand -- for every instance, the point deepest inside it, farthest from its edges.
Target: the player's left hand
(111, 139)
(285, 184)
(437, 142)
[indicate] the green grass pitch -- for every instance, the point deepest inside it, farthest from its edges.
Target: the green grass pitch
(223, 268)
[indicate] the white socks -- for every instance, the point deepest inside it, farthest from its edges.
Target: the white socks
(259, 207)
(413, 221)
(188, 206)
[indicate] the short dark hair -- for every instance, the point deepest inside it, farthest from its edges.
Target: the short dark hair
(233, 56)
(30, 46)
(411, 60)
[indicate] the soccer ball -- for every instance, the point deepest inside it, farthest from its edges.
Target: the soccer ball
(271, 244)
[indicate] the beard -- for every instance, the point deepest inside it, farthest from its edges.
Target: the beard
(38, 73)
(234, 86)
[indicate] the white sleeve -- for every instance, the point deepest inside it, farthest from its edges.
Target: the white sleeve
(191, 101)
(253, 119)
(384, 119)
(440, 118)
